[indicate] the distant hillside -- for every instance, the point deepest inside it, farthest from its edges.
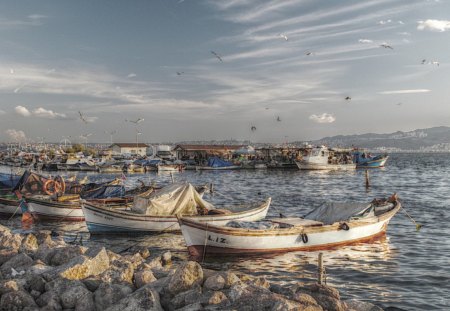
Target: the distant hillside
(435, 138)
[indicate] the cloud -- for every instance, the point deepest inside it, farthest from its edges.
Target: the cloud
(323, 118)
(16, 135)
(36, 16)
(48, 114)
(434, 25)
(39, 113)
(2, 112)
(365, 41)
(131, 75)
(24, 112)
(405, 91)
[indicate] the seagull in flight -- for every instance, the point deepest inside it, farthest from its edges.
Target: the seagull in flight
(386, 46)
(278, 119)
(348, 98)
(179, 73)
(217, 55)
(399, 104)
(82, 117)
(434, 63)
(139, 120)
(253, 128)
(309, 53)
(284, 36)
(424, 61)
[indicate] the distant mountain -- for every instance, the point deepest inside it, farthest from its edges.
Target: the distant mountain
(435, 138)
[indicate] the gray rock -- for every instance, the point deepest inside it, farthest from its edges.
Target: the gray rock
(144, 277)
(72, 295)
(19, 262)
(285, 305)
(7, 254)
(261, 282)
(361, 305)
(35, 294)
(16, 300)
(36, 283)
(183, 299)
(185, 277)
(49, 300)
(192, 307)
(120, 271)
(215, 282)
(304, 299)
(217, 298)
(4, 230)
(145, 298)
(230, 278)
(108, 294)
(7, 286)
(159, 285)
(86, 303)
(136, 260)
(60, 285)
(166, 258)
(65, 254)
(10, 240)
(92, 283)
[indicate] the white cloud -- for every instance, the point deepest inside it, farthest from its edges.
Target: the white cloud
(405, 91)
(365, 41)
(131, 75)
(16, 135)
(434, 25)
(24, 112)
(48, 114)
(36, 16)
(322, 118)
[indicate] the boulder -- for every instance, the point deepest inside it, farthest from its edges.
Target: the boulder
(304, 299)
(217, 298)
(16, 300)
(37, 283)
(230, 279)
(49, 301)
(120, 271)
(215, 282)
(260, 282)
(6, 254)
(166, 258)
(327, 297)
(10, 240)
(185, 277)
(92, 283)
(192, 307)
(108, 294)
(86, 304)
(113, 256)
(144, 299)
(29, 244)
(75, 294)
(7, 286)
(182, 299)
(65, 254)
(4, 230)
(19, 263)
(143, 277)
(354, 304)
(285, 305)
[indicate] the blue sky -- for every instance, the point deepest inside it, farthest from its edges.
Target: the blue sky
(283, 67)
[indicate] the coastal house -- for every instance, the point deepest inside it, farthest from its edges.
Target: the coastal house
(129, 148)
(205, 151)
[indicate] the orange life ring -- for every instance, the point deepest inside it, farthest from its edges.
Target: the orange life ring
(61, 184)
(53, 186)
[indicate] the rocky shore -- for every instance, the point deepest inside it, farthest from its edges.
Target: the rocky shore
(42, 272)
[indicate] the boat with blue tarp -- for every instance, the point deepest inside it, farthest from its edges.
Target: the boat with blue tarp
(366, 160)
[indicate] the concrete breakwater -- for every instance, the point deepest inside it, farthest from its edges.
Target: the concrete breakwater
(41, 272)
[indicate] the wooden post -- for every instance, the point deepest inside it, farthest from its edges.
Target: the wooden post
(320, 268)
(171, 176)
(367, 179)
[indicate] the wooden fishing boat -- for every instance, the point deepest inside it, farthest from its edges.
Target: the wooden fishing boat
(104, 220)
(366, 160)
(169, 167)
(9, 205)
(321, 229)
(215, 164)
(44, 208)
(322, 158)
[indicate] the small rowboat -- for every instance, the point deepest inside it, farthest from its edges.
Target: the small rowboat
(9, 206)
(324, 227)
(104, 220)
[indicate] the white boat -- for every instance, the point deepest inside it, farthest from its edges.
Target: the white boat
(325, 227)
(164, 210)
(169, 167)
(43, 208)
(322, 158)
(9, 206)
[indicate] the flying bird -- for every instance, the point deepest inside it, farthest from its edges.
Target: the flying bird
(278, 119)
(82, 117)
(348, 98)
(284, 36)
(139, 120)
(253, 128)
(308, 53)
(424, 61)
(217, 55)
(179, 73)
(386, 46)
(434, 63)
(399, 104)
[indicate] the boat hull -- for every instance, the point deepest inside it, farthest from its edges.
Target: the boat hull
(9, 207)
(319, 166)
(102, 220)
(55, 211)
(223, 240)
(211, 168)
(372, 163)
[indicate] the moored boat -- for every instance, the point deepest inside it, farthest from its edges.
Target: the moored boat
(158, 213)
(9, 205)
(325, 227)
(366, 160)
(216, 163)
(322, 158)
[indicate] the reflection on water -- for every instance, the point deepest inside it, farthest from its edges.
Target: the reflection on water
(406, 269)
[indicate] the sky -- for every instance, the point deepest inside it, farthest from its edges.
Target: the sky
(265, 71)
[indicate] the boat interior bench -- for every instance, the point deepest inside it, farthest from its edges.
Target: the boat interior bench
(296, 222)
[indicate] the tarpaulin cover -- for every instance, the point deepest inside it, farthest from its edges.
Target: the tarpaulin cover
(33, 184)
(8, 181)
(330, 213)
(105, 192)
(216, 162)
(175, 199)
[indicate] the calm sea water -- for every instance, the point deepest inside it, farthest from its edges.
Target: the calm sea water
(407, 269)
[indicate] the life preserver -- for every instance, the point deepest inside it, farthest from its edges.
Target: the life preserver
(60, 185)
(344, 226)
(304, 238)
(53, 186)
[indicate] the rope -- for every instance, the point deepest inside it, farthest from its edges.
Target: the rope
(14, 214)
(418, 226)
(204, 246)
